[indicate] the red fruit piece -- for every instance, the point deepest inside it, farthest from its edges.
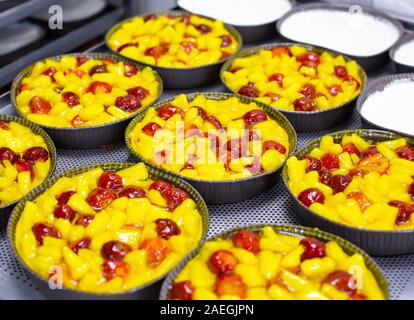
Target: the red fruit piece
(157, 250)
(128, 103)
(126, 45)
(98, 69)
(63, 211)
(166, 228)
(84, 220)
(405, 152)
(235, 69)
(313, 164)
(81, 60)
(76, 122)
(237, 147)
(278, 77)
(4, 125)
(175, 197)
(34, 154)
(203, 28)
(273, 145)
(188, 46)
(230, 284)
(222, 262)
(138, 92)
(112, 269)
(100, 198)
(304, 104)
(350, 78)
(50, 72)
(99, 87)
(110, 180)
(253, 135)
(411, 190)
(115, 250)
(130, 70)
(247, 240)
(278, 51)
(405, 211)
(311, 195)
(150, 128)
(182, 291)
(254, 116)
(341, 280)
(70, 98)
(249, 90)
(214, 121)
(330, 161)
(351, 149)
(335, 89)
(84, 243)
(42, 230)
(370, 151)
(201, 112)
(340, 71)
(166, 111)
(324, 176)
(273, 96)
(226, 40)
(39, 105)
(150, 16)
(23, 165)
(24, 87)
(377, 163)
(359, 197)
(8, 154)
(132, 192)
(309, 59)
(339, 182)
(156, 52)
(161, 186)
(308, 90)
(65, 196)
(313, 249)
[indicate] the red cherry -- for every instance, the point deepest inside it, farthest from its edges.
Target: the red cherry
(175, 197)
(312, 195)
(309, 59)
(99, 87)
(63, 211)
(304, 104)
(39, 105)
(84, 243)
(201, 112)
(237, 147)
(273, 145)
(126, 45)
(100, 198)
(339, 182)
(4, 125)
(351, 149)
(23, 165)
(224, 55)
(377, 163)
(222, 262)
(254, 116)
(278, 51)
(115, 250)
(278, 77)
(313, 249)
(405, 152)
(166, 111)
(138, 92)
(132, 192)
(359, 197)
(325, 176)
(50, 72)
(230, 284)
(335, 89)
(247, 240)
(313, 164)
(8, 154)
(226, 40)
(34, 154)
(411, 190)
(130, 69)
(235, 69)
(350, 78)
(405, 211)
(340, 71)
(203, 28)
(330, 161)
(341, 280)
(76, 122)
(112, 269)
(110, 180)
(249, 90)
(273, 96)
(150, 128)
(70, 98)
(166, 228)
(65, 196)
(128, 103)
(42, 230)
(214, 121)
(24, 87)
(308, 90)
(81, 60)
(84, 220)
(188, 46)
(156, 52)
(157, 250)
(182, 291)
(150, 16)
(370, 151)
(98, 69)
(161, 186)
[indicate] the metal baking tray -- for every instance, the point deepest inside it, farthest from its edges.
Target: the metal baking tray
(273, 206)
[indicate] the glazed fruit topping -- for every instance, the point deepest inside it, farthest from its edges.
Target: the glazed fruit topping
(351, 149)
(405, 211)
(50, 72)
(311, 195)
(406, 152)
(8, 154)
(168, 110)
(324, 176)
(161, 186)
(42, 230)
(76, 122)
(249, 90)
(308, 90)
(377, 163)
(24, 165)
(226, 40)
(335, 89)
(313, 164)
(128, 103)
(340, 71)
(309, 59)
(84, 220)
(39, 105)
(70, 98)
(350, 78)
(63, 211)
(182, 291)
(166, 228)
(157, 250)
(138, 92)
(115, 250)
(304, 104)
(313, 249)
(114, 268)
(203, 28)
(100, 198)
(341, 280)
(230, 284)
(126, 45)
(237, 147)
(65, 196)
(359, 197)
(278, 77)
(370, 151)
(214, 121)
(254, 116)
(339, 182)
(34, 154)
(98, 69)
(130, 70)
(150, 16)
(81, 60)
(4, 125)
(411, 190)
(330, 161)
(110, 180)
(150, 128)
(84, 243)
(156, 52)
(174, 197)
(273, 96)
(222, 262)
(99, 87)
(278, 51)
(273, 145)
(188, 46)
(247, 240)
(132, 192)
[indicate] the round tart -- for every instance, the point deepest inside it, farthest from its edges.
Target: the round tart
(210, 138)
(173, 40)
(294, 78)
(75, 91)
(25, 161)
(267, 264)
(107, 231)
(357, 182)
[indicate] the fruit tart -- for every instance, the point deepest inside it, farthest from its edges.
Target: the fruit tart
(210, 138)
(108, 231)
(357, 182)
(270, 265)
(174, 40)
(25, 161)
(294, 78)
(75, 91)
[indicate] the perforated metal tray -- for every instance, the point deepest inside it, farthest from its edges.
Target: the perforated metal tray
(272, 207)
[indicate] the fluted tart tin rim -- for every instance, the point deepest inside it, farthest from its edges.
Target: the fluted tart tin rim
(406, 38)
